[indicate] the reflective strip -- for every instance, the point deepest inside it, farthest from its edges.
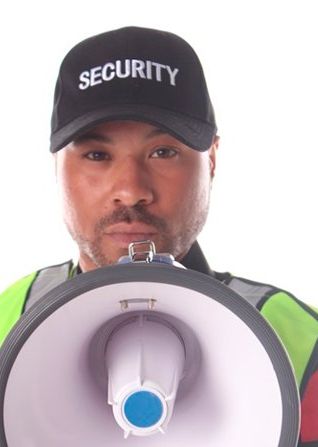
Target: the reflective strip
(252, 292)
(46, 280)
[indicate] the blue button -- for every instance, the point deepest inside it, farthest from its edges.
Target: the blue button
(143, 409)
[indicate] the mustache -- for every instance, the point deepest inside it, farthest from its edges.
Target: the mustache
(137, 213)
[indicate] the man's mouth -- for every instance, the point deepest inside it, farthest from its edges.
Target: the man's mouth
(123, 234)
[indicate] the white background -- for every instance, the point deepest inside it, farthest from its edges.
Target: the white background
(260, 60)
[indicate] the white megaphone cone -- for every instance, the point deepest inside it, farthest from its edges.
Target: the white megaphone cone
(140, 348)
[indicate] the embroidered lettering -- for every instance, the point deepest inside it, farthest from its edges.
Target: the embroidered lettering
(122, 69)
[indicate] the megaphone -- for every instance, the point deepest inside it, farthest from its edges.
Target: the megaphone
(145, 353)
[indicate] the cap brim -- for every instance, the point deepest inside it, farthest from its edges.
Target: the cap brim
(194, 133)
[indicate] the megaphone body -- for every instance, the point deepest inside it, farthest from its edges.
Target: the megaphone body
(145, 354)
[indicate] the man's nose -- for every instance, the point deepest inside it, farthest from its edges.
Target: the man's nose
(131, 184)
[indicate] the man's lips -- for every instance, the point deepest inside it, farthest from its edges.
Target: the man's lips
(123, 234)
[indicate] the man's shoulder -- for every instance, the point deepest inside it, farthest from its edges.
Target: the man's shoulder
(281, 307)
(24, 283)
(261, 294)
(22, 293)
(295, 322)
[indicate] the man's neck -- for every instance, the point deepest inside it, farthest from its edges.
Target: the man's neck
(195, 260)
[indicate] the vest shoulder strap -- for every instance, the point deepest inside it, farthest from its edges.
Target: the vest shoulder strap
(46, 280)
(20, 296)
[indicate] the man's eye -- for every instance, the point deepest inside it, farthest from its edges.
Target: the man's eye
(97, 156)
(164, 152)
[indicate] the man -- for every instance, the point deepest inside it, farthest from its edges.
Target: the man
(134, 139)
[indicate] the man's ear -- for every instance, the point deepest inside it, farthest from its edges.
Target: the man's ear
(212, 154)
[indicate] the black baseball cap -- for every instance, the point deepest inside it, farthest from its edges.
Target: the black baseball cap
(135, 74)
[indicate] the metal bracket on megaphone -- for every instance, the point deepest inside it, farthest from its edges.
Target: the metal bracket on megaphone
(143, 255)
(145, 252)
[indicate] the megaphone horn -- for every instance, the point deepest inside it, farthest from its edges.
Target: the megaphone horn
(145, 353)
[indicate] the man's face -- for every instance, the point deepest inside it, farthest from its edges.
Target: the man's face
(128, 181)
